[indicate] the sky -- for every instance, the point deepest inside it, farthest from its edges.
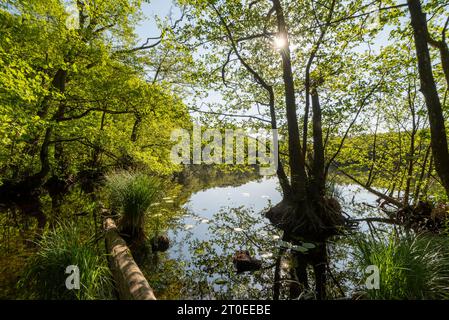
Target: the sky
(161, 8)
(166, 8)
(148, 28)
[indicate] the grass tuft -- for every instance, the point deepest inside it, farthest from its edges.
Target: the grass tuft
(131, 194)
(45, 276)
(410, 267)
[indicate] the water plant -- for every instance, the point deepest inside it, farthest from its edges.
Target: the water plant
(45, 274)
(131, 194)
(410, 267)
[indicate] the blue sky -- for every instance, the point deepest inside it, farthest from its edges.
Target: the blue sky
(160, 8)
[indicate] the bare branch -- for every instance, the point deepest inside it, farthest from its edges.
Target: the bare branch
(88, 111)
(230, 114)
(362, 104)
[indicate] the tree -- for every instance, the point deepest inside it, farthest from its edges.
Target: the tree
(440, 149)
(249, 36)
(75, 101)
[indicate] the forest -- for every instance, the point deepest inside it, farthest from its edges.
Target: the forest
(136, 138)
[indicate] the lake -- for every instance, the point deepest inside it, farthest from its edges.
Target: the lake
(217, 221)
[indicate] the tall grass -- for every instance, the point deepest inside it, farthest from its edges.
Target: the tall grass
(45, 276)
(411, 267)
(131, 194)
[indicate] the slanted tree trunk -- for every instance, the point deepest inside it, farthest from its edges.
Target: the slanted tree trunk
(440, 150)
(419, 183)
(129, 280)
(282, 176)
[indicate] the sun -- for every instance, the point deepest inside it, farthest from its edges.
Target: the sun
(280, 42)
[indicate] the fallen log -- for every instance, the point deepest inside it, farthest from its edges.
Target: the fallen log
(129, 279)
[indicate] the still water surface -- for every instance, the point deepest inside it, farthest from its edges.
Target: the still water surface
(218, 221)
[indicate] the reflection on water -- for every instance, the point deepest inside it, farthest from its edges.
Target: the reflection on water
(218, 221)
(208, 215)
(202, 207)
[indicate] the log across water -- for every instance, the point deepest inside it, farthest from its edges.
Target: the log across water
(129, 279)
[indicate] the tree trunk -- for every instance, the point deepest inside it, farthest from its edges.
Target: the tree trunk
(59, 83)
(318, 148)
(421, 177)
(297, 165)
(444, 54)
(129, 280)
(282, 177)
(136, 127)
(428, 87)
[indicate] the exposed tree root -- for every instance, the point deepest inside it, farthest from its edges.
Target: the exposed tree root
(308, 221)
(424, 217)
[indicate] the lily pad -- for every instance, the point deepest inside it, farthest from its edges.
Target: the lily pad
(221, 281)
(308, 245)
(300, 249)
(284, 244)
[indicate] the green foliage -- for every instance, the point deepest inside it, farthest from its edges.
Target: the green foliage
(45, 276)
(132, 193)
(84, 86)
(411, 267)
(74, 99)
